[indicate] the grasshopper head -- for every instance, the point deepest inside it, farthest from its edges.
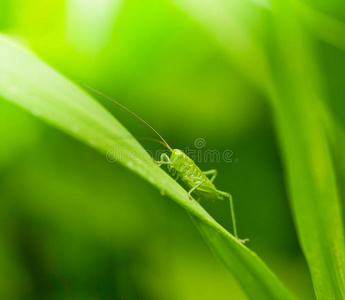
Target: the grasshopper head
(177, 158)
(177, 155)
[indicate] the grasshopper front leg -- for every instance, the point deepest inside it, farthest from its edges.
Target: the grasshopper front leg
(165, 160)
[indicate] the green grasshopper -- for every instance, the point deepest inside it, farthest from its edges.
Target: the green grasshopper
(185, 168)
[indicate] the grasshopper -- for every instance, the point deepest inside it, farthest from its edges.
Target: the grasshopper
(184, 167)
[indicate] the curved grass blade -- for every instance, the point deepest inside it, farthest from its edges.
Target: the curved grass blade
(230, 23)
(31, 84)
(323, 26)
(298, 103)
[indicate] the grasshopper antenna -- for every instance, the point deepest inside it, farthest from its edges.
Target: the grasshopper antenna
(151, 139)
(147, 124)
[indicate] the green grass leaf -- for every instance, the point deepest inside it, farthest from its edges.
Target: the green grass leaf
(31, 84)
(230, 23)
(299, 106)
(323, 26)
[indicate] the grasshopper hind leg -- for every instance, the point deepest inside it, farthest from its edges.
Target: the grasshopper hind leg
(232, 211)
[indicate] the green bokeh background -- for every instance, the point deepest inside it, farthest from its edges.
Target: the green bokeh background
(73, 225)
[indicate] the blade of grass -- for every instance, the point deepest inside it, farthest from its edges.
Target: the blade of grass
(325, 27)
(298, 103)
(230, 23)
(34, 86)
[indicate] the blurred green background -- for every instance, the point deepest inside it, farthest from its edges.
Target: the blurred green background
(74, 226)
